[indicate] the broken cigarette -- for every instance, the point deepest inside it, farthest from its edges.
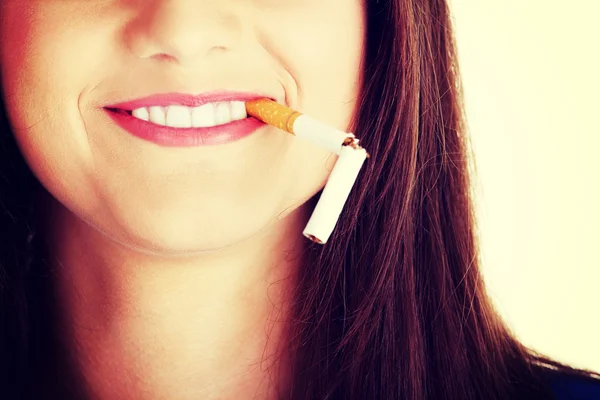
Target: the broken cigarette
(344, 173)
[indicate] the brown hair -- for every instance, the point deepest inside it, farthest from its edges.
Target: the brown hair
(394, 305)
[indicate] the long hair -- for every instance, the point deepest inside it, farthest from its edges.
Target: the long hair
(394, 305)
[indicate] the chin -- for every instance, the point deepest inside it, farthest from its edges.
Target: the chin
(194, 239)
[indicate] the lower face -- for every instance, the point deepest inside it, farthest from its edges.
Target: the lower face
(63, 62)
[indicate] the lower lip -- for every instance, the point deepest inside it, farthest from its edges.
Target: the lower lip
(186, 137)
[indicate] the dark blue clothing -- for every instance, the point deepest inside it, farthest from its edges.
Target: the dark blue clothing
(567, 387)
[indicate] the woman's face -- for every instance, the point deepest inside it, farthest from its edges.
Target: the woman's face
(63, 60)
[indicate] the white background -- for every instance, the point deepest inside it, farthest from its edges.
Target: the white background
(531, 78)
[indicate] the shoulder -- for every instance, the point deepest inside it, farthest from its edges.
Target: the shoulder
(567, 386)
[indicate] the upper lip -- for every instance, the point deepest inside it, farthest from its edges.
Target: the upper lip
(185, 99)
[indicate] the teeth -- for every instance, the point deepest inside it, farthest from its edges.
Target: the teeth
(179, 117)
(238, 110)
(204, 116)
(176, 116)
(157, 115)
(223, 113)
(141, 113)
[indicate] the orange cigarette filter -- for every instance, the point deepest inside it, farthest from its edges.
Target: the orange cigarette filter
(273, 113)
(300, 125)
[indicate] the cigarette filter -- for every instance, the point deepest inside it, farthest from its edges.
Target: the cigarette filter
(344, 173)
(298, 124)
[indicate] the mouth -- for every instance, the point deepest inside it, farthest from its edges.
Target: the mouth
(179, 116)
(182, 110)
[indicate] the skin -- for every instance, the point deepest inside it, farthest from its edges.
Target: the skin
(174, 264)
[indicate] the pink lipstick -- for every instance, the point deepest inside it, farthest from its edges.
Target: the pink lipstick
(169, 136)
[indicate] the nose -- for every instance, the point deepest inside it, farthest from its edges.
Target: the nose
(183, 30)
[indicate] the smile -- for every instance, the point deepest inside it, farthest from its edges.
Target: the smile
(179, 116)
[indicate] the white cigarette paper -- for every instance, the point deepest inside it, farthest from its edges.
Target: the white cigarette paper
(320, 134)
(334, 195)
(345, 171)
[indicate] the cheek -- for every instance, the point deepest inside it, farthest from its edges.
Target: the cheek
(45, 66)
(49, 53)
(32, 70)
(49, 58)
(328, 78)
(321, 48)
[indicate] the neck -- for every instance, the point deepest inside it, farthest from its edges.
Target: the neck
(146, 326)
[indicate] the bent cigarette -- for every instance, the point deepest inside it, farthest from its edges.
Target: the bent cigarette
(302, 126)
(344, 173)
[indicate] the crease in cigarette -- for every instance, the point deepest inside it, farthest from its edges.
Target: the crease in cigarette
(345, 171)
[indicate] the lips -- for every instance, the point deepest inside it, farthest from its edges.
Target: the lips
(167, 136)
(188, 100)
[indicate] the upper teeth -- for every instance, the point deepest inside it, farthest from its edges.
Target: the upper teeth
(177, 116)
